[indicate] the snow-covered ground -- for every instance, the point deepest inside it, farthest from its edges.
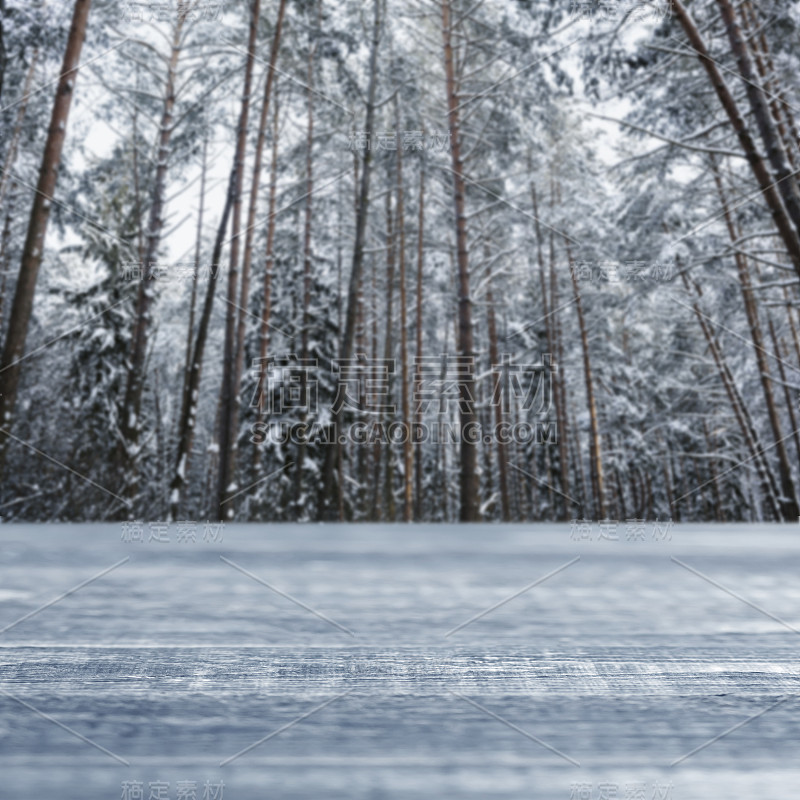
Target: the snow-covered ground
(590, 684)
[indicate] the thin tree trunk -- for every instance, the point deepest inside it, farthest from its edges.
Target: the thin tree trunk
(269, 266)
(130, 412)
(781, 353)
(788, 232)
(189, 415)
(781, 111)
(405, 400)
(244, 292)
(388, 351)
(468, 475)
(330, 501)
(667, 471)
(5, 251)
(719, 516)
(375, 508)
(595, 454)
(234, 193)
(417, 384)
(22, 305)
(553, 334)
(759, 105)
(789, 506)
(300, 504)
(579, 479)
(749, 433)
(494, 356)
(193, 299)
(229, 395)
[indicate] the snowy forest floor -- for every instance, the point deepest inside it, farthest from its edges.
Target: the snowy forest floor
(616, 676)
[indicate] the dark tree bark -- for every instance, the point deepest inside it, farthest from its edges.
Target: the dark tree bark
(420, 273)
(388, 352)
(749, 434)
(22, 305)
(232, 202)
(330, 498)
(244, 291)
(405, 400)
(229, 395)
(5, 249)
(502, 454)
(788, 232)
(759, 105)
(305, 324)
(187, 367)
(131, 408)
(552, 332)
(788, 500)
(781, 110)
(468, 475)
(188, 419)
(269, 266)
(595, 450)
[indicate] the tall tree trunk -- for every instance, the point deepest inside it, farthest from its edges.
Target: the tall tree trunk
(781, 110)
(781, 353)
(226, 477)
(740, 410)
(468, 475)
(5, 251)
(553, 335)
(494, 356)
(362, 452)
(330, 499)
(22, 305)
(766, 182)
(300, 503)
(188, 420)
(759, 105)
(595, 453)
(388, 353)
(790, 318)
(405, 400)
(244, 291)
(579, 476)
(375, 508)
(789, 506)
(417, 384)
(130, 412)
(193, 298)
(234, 196)
(269, 266)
